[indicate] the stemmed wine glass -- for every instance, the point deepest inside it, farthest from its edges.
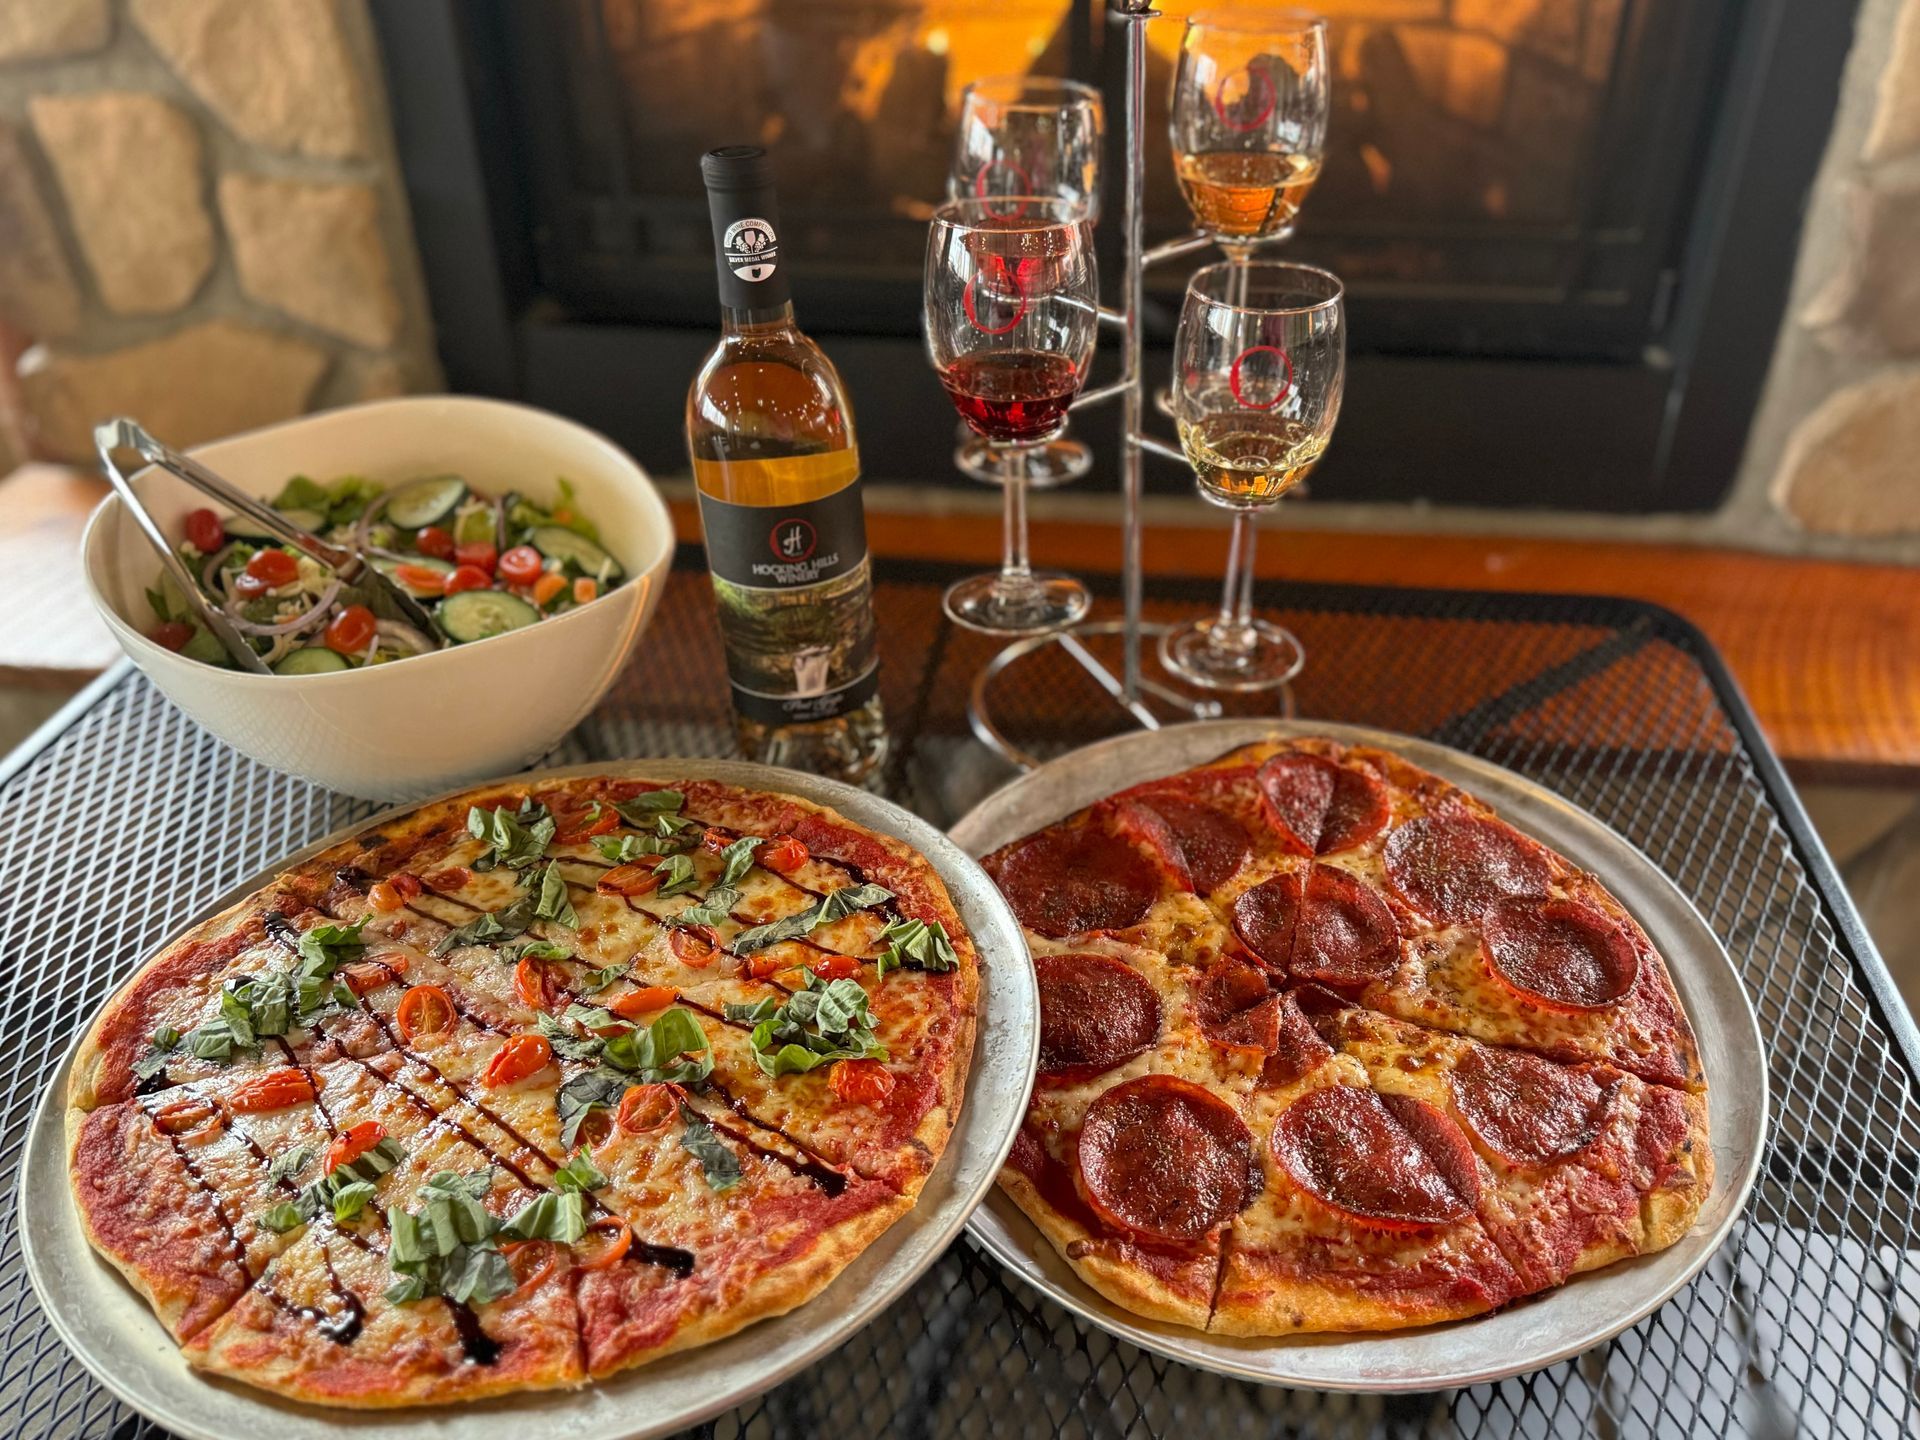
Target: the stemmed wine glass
(1012, 310)
(1249, 121)
(1259, 363)
(1028, 135)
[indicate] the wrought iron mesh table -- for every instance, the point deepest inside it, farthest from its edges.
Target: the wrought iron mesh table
(122, 820)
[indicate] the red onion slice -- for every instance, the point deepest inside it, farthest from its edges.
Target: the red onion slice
(288, 627)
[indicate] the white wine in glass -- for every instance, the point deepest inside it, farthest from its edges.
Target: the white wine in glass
(1242, 459)
(1245, 194)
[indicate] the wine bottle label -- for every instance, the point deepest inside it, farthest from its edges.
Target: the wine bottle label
(794, 589)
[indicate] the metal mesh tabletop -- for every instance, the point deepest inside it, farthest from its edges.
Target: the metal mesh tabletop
(124, 820)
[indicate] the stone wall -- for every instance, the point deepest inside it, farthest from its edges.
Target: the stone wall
(1834, 454)
(201, 220)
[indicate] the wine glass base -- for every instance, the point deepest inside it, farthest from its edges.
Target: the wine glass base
(1051, 463)
(1271, 659)
(986, 603)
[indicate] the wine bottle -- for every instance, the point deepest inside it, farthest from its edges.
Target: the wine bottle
(778, 477)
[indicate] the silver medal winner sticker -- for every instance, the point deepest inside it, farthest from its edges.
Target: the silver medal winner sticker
(751, 248)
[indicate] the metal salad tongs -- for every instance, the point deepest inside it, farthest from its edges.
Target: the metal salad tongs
(350, 565)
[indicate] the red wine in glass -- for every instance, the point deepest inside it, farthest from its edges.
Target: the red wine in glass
(1012, 396)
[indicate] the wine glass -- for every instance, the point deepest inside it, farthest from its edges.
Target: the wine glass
(1249, 121)
(1012, 311)
(1259, 363)
(1028, 135)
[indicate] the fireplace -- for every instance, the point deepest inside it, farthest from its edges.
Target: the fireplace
(1548, 212)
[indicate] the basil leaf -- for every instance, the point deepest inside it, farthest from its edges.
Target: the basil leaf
(594, 981)
(475, 1275)
(566, 1044)
(289, 1163)
(553, 903)
(165, 1041)
(350, 1199)
(514, 840)
(698, 1139)
(624, 848)
(212, 1041)
(642, 808)
(281, 1218)
(579, 1173)
(326, 947)
(834, 905)
(537, 950)
(578, 1097)
(502, 924)
(739, 858)
(236, 1014)
(916, 944)
(715, 908)
(676, 875)
(558, 1217)
(824, 1022)
(764, 1008)
(667, 826)
(406, 1290)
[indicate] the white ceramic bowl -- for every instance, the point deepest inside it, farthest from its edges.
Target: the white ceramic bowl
(416, 726)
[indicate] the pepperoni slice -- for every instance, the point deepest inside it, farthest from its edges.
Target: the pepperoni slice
(1321, 807)
(1346, 935)
(1453, 867)
(1095, 1013)
(1346, 1147)
(1164, 1159)
(1075, 881)
(1298, 1049)
(1236, 1006)
(1211, 845)
(1569, 955)
(1265, 918)
(1527, 1109)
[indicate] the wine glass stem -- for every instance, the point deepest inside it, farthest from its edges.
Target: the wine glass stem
(1016, 566)
(1232, 632)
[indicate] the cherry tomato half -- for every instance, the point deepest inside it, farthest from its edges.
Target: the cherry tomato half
(531, 1262)
(355, 1142)
(646, 1108)
(621, 1242)
(636, 1003)
(424, 1010)
(861, 1082)
(174, 634)
(434, 541)
(522, 565)
(384, 897)
(407, 883)
(195, 1118)
(782, 854)
(275, 1090)
(520, 1057)
(836, 967)
(468, 577)
(273, 568)
(480, 554)
(694, 945)
(352, 630)
(538, 984)
(204, 531)
(638, 877)
(421, 578)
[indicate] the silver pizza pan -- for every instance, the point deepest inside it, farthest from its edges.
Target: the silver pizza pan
(1528, 1335)
(113, 1332)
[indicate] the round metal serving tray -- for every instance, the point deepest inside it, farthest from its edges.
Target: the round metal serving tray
(115, 1334)
(1534, 1332)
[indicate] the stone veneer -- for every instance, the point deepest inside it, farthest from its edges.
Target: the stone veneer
(201, 220)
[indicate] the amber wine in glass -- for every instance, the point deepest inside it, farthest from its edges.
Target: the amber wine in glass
(1249, 459)
(1245, 194)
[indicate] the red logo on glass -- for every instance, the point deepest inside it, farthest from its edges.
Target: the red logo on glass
(1261, 376)
(1258, 100)
(1003, 282)
(984, 186)
(792, 540)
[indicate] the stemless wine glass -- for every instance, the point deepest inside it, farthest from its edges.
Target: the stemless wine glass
(1249, 121)
(1012, 309)
(1259, 363)
(1028, 135)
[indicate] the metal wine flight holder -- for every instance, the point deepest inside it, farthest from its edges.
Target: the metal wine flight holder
(1131, 687)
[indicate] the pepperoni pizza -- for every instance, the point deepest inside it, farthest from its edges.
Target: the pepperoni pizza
(525, 1087)
(1327, 1045)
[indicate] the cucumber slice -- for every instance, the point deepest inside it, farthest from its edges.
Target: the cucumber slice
(475, 527)
(556, 542)
(389, 568)
(477, 614)
(426, 501)
(239, 527)
(310, 660)
(205, 647)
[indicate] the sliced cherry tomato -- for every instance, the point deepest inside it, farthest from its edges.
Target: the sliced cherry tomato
(385, 897)
(861, 1082)
(639, 877)
(520, 1057)
(420, 578)
(695, 945)
(713, 840)
(481, 555)
(365, 977)
(204, 531)
(452, 877)
(585, 589)
(173, 634)
(467, 577)
(406, 882)
(538, 984)
(352, 630)
(782, 854)
(522, 565)
(435, 541)
(275, 1090)
(578, 827)
(531, 1262)
(273, 568)
(763, 965)
(248, 588)
(354, 1142)
(636, 1003)
(194, 1118)
(836, 967)
(550, 584)
(616, 1247)
(424, 1010)
(647, 1108)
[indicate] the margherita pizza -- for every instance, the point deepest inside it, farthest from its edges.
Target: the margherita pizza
(524, 1088)
(1327, 1045)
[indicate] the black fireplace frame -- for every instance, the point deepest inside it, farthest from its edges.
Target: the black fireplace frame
(1662, 430)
